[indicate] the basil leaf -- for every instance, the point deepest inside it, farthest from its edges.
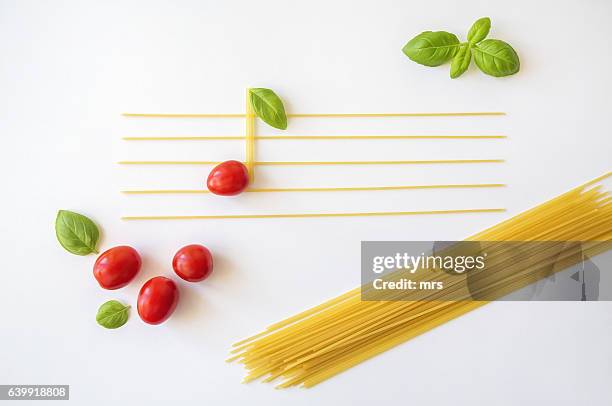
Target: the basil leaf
(76, 233)
(480, 30)
(461, 61)
(269, 107)
(432, 48)
(496, 58)
(112, 314)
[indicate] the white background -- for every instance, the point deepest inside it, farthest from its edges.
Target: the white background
(69, 68)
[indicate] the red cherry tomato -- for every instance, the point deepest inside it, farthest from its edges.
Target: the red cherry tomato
(229, 178)
(116, 267)
(157, 300)
(193, 263)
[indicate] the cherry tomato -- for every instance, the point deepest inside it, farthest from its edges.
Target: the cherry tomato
(116, 267)
(229, 178)
(193, 263)
(157, 300)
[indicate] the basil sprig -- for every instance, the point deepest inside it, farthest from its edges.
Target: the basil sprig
(76, 233)
(112, 314)
(492, 56)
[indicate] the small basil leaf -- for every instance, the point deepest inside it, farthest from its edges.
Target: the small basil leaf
(496, 58)
(480, 30)
(269, 107)
(76, 233)
(112, 314)
(461, 61)
(432, 48)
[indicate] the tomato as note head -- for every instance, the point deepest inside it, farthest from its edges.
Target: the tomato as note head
(193, 263)
(229, 178)
(157, 300)
(116, 267)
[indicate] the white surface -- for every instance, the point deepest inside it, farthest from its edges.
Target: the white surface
(69, 68)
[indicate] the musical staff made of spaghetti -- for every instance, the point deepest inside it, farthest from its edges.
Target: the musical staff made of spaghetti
(235, 176)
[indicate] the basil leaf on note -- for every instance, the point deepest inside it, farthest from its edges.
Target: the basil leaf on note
(269, 107)
(112, 314)
(76, 233)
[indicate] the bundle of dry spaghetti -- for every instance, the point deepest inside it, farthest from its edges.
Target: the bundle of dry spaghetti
(319, 343)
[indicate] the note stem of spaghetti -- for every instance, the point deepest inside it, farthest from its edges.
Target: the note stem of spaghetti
(250, 138)
(297, 163)
(311, 215)
(331, 115)
(320, 189)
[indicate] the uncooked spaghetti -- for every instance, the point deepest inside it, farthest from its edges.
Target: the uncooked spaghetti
(319, 343)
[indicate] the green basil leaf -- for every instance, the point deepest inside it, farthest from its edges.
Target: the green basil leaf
(76, 233)
(480, 30)
(432, 48)
(112, 314)
(269, 107)
(461, 61)
(496, 58)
